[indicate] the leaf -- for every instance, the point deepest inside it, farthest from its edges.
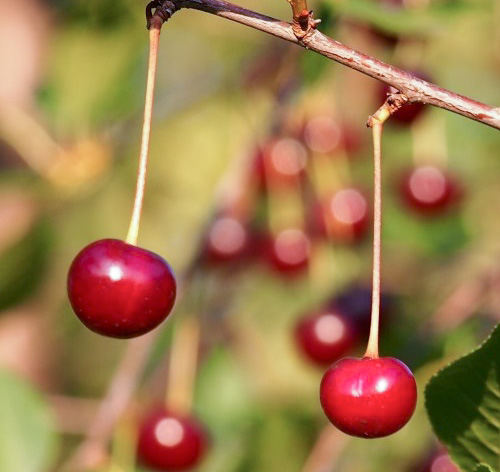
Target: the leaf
(26, 428)
(24, 264)
(463, 404)
(482, 468)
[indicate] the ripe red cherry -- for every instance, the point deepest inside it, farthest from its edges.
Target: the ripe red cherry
(288, 251)
(429, 190)
(281, 162)
(325, 336)
(323, 134)
(442, 463)
(344, 216)
(369, 397)
(355, 302)
(120, 290)
(227, 240)
(168, 441)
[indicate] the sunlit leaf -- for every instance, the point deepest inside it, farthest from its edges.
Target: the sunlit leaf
(463, 403)
(26, 428)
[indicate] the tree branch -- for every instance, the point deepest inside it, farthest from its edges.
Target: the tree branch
(414, 88)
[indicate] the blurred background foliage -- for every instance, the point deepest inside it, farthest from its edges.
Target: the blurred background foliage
(71, 96)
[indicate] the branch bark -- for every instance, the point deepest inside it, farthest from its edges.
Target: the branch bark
(414, 88)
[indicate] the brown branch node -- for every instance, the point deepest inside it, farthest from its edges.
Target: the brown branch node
(392, 104)
(303, 24)
(158, 12)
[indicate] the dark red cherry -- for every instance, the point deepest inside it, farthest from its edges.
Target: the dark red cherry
(441, 463)
(435, 461)
(369, 397)
(344, 216)
(323, 134)
(120, 290)
(227, 240)
(325, 336)
(355, 302)
(429, 190)
(168, 441)
(280, 162)
(288, 251)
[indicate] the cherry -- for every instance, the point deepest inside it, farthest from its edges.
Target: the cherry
(355, 302)
(288, 251)
(120, 290)
(436, 461)
(442, 463)
(324, 135)
(227, 240)
(368, 397)
(325, 335)
(280, 162)
(343, 216)
(169, 441)
(429, 190)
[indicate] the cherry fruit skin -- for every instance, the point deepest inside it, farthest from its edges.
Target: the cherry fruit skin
(227, 241)
(429, 190)
(369, 397)
(120, 290)
(325, 336)
(343, 216)
(281, 162)
(288, 252)
(169, 441)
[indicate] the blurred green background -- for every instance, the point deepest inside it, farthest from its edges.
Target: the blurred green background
(71, 96)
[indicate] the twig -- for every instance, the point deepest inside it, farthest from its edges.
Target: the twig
(92, 451)
(414, 88)
(325, 452)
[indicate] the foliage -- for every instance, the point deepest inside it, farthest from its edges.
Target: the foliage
(463, 401)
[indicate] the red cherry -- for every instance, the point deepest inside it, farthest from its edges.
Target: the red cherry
(369, 397)
(344, 216)
(170, 442)
(281, 162)
(325, 336)
(355, 302)
(435, 461)
(442, 463)
(429, 190)
(227, 240)
(288, 251)
(322, 134)
(120, 290)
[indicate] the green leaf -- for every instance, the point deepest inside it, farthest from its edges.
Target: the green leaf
(24, 264)
(482, 468)
(26, 428)
(463, 404)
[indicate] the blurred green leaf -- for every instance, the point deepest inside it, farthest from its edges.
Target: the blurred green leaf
(28, 441)
(482, 468)
(24, 265)
(463, 403)
(407, 21)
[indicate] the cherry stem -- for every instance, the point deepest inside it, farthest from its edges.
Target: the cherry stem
(182, 366)
(154, 38)
(376, 122)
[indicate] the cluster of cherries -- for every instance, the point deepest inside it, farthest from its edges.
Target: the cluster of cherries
(120, 290)
(342, 216)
